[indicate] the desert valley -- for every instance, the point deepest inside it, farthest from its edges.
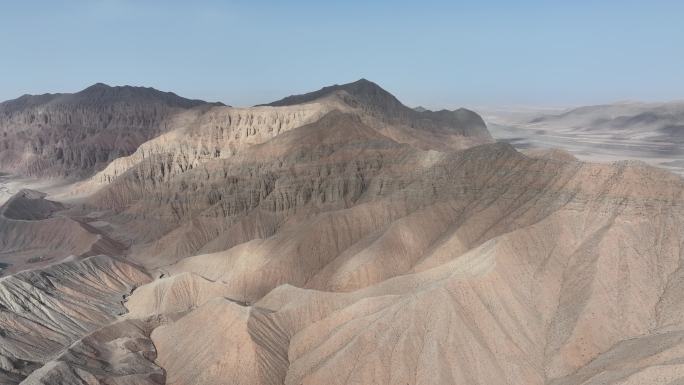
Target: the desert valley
(650, 132)
(337, 237)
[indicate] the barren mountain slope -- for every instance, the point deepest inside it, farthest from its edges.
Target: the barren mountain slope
(72, 135)
(120, 353)
(569, 258)
(239, 154)
(346, 240)
(222, 133)
(200, 136)
(529, 306)
(33, 233)
(402, 123)
(564, 268)
(43, 311)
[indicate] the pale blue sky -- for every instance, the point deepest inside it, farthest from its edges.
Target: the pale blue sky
(432, 53)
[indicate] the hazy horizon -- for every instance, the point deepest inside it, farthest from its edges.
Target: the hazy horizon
(493, 54)
(330, 234)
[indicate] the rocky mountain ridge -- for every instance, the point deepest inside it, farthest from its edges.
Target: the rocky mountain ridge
(379, 103)
(340, 237)
(73, 135)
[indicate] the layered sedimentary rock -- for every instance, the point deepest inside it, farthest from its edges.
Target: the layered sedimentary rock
(205, 160)
(120, 353)
(72, 135)
(44, 311)
(549, 271)
(339, 237)
(33, 234)
(404, 123)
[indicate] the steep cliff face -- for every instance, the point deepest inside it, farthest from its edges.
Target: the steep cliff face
(74, 135)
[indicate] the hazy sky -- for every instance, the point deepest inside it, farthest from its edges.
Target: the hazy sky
(432, 53)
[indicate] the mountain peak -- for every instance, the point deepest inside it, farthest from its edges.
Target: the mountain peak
(364, 81)
(101, 93)
(363, 90)
(376, 101)
(364, 86)
(98, 86)
(132, 90)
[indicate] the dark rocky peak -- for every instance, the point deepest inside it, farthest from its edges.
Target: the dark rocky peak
(26, 101)
(374, 100)
(100, 94)
(74, 135)
(29, 205)
(362, 90)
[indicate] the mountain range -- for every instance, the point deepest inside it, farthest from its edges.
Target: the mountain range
(72, 135)
(333, 237)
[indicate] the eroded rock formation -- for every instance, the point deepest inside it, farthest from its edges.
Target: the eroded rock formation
(72, 135)
(340, 237)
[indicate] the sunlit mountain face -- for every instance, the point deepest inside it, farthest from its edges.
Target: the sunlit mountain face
(337, 193)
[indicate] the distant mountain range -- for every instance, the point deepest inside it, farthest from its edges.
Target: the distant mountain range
(663, 121)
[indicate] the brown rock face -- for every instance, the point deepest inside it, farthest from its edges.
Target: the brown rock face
(76, 134)
(373, 100)
(339, 237)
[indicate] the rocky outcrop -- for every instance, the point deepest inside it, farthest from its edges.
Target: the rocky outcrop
(224, 132)
(119, 353)
(73, 135)
(44, 311)
(29, 205)
(32, 234)
(218, 133)
(337, 238)
(376, 102)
